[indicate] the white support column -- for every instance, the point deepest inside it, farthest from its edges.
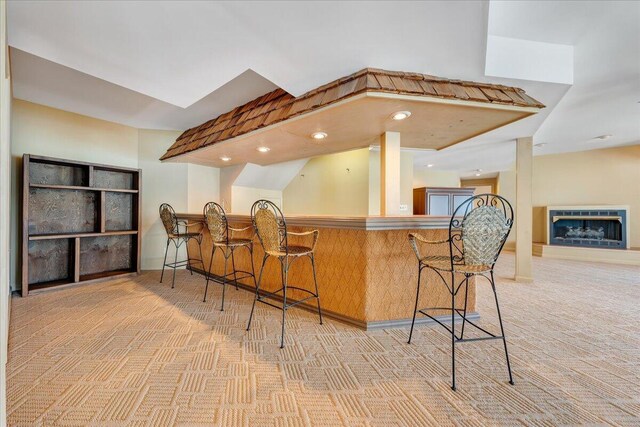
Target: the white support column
(390, 173)
(523, 208)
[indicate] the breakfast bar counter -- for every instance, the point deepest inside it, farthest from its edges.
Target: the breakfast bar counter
(367, 272)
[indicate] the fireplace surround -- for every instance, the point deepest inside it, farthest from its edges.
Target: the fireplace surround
(604, 227)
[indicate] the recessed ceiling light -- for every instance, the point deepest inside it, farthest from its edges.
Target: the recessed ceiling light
(603, 137)
(540, 144)
(263, 149)
(430, 165)
(318, 135)
(400, 115)
(225, 158)
(477, 174)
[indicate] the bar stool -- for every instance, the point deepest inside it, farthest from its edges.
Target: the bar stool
(271, 229)
(478, 230)
(222, 238)
(177, 237)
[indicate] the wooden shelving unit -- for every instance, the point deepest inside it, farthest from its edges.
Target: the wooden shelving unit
(81, 222)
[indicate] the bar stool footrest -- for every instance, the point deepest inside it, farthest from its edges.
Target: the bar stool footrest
(464, 319)
(478, 339)
(274, 294)
(268, 303)
(218, 277)
(183, 263)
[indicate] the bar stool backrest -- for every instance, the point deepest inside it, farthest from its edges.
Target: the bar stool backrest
(169, 219)
(217, 223)
(479, 236)
(270, 226)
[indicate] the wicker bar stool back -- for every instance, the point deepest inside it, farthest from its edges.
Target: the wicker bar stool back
(169, 219)
(271, 228)
(478, 230)
(216, 220)
(484, 231)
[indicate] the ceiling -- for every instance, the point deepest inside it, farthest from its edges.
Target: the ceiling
(48, 83)
(174, 65)
(358, 122)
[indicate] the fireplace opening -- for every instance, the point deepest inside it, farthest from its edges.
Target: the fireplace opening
(588, 228)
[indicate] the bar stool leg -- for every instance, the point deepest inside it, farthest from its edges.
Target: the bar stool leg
(415, 308)
(453, 335)
(233, 264)
(284, 269)
(253, 270)
(166, 250)
(186, 243)
(504, 339)
(175, 261)
(464, 313)
(201, 257)
(224, 278)
(315, 280)
(264, 260)
(207, 273)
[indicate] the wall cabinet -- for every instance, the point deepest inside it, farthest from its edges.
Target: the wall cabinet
(81, 222)
(439, 201)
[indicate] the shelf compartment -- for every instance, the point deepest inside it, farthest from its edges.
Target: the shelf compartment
(105, 274)
(52, 173)
(73, 235)
(51, 262)
(81, 188)
(62, 211)
(119, 211)
(102, 256)
(114, 179)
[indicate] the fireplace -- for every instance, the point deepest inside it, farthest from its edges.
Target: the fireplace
(605, 227)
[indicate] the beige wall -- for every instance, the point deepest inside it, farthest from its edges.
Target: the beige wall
(228, 175)
(161, 182)
(203, 183)
(48, 131)
(41, 130)
(424, 177)
(607, 177)
(242, 198)
(5, 207)
(325, 187)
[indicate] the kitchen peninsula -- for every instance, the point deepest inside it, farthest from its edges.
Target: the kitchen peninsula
(367, 271)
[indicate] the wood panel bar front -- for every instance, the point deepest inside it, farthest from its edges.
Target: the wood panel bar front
(367, 272)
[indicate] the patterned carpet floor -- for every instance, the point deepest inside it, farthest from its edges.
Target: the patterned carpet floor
(138, 353)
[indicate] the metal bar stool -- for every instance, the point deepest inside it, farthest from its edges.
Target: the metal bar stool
(222, 238)
(271, 229)
(478, 230)
(178, 237)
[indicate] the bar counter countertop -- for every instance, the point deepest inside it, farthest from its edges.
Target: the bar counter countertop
(367, 271)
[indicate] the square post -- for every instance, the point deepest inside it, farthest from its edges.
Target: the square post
(524, 208)
(390, 173)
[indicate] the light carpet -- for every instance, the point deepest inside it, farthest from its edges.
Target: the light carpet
(138, 353)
